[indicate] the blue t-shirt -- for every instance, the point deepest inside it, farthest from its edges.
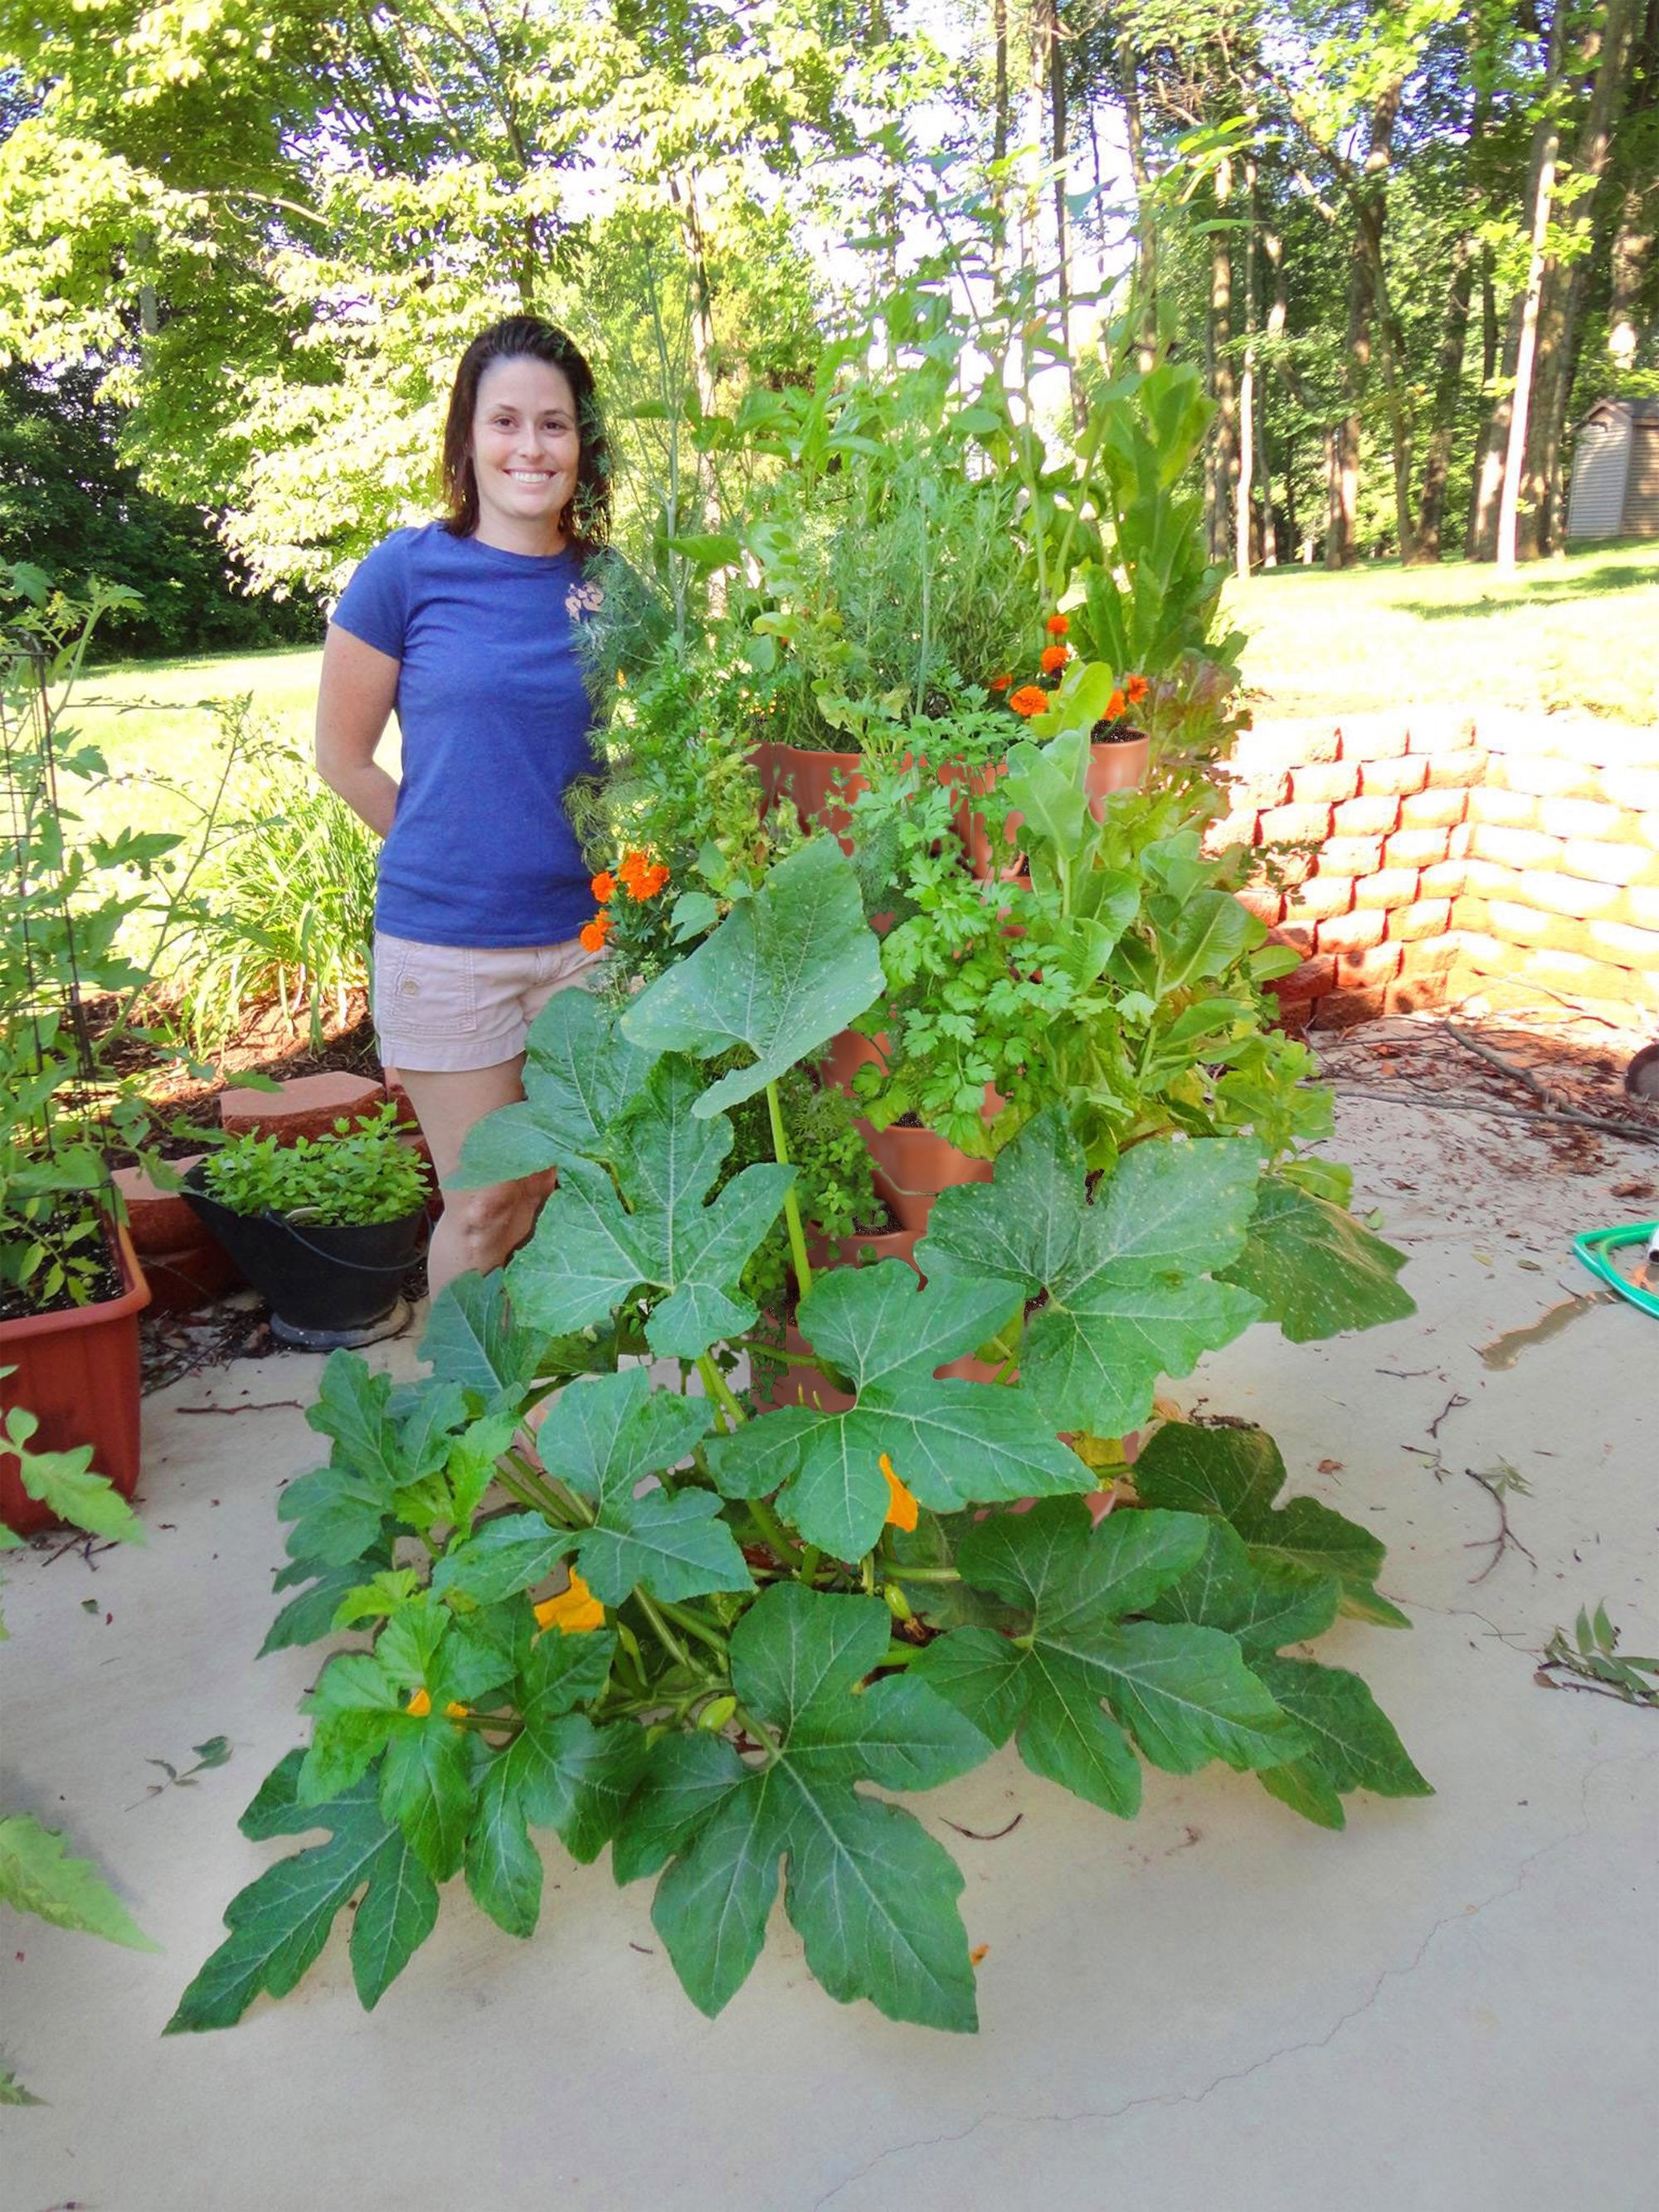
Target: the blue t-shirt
(496, 721)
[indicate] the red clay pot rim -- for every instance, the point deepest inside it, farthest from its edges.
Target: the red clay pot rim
(133, 1300)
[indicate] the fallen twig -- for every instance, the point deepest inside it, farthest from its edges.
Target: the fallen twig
(1607, 1128)
(1505, 1478)
(265, 1406)
(979, 1835)
(1551, 1099)
(1452, 1405)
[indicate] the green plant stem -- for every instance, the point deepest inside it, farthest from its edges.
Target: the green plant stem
(810, 1558)
(665, 1635)
(694, 1626)
(753, 1729)
(791, 1211)
(515, 1489)
(550, 1495)
(720, 1389)
(775, 1534)
(923, 1574)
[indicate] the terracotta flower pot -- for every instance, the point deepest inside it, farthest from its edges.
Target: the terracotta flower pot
(807, 777)
(1119, 766)
(912, 1166)
(78, 1373)
(847, 1053)
(986, 832)
(860, 1249)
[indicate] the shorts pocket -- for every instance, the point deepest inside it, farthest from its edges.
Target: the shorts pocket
(424, 990)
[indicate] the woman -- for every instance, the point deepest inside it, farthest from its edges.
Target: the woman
(470, 628)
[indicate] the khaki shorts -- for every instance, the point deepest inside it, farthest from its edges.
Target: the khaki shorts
(446, 1009)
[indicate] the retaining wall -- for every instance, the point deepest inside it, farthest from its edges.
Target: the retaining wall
(1445, 854)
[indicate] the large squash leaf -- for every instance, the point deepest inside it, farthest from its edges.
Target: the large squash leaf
(579, 1074)
(1127, 1274)
(952, 1443)
(279, 1923)
(594, 1248)
(1315, 1270)
(1237, 1473)
(604, 1438)
(784, 972)
(1084, 1680)
(871, 1893)
(1267, 1600)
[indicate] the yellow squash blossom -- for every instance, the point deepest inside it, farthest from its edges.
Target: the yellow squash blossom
(574, 1612)
(900, 1505)
(420, 1704)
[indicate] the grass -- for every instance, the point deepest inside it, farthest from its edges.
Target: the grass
(154, 723)
(1575, 632)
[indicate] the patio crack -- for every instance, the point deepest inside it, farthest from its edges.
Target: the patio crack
(1462, 1919)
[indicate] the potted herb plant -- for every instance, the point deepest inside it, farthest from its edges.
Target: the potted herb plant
(324, 1228)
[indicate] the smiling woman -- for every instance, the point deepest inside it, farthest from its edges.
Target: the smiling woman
(470, 629)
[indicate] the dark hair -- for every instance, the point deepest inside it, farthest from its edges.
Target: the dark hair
(587, 520)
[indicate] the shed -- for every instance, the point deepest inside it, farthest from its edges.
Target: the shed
(1615, 472)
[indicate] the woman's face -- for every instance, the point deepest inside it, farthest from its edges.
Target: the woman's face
(526, 443)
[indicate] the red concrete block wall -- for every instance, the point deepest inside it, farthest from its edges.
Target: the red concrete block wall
(1434, 854)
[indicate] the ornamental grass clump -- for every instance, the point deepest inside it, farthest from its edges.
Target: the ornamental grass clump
(585, 1584)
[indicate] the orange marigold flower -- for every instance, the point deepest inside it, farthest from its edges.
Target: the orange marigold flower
(1053, 657)
(1137, 687)
(1057, 625)
(1115, 706)
(592, 934)
(604, 887)
(574, 1612)
(420, 1704)
(999, 682)
(900, 1503)
(648, 883)
(1029, 699)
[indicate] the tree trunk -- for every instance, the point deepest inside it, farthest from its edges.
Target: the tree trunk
(999, 133)
(1363, 301)
(1562, 292)
(1540, 207)
(1048, 29)
(1221, 468)
(1145, 290)
(1481, 541)
(1243, 512)
(1448, 385)
(1633, 240)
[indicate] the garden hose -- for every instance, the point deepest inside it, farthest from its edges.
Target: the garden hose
(1595, 1247)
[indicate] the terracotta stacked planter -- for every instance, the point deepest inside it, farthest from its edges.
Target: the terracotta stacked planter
(912, 1166)
(1121, 766)
(797, 773)
(78, 1373)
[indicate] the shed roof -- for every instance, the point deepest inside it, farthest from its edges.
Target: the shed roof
(1635, 411)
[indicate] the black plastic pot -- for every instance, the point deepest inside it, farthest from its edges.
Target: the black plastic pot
(327, 1282)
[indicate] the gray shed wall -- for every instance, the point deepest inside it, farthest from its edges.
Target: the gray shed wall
(1601, 469)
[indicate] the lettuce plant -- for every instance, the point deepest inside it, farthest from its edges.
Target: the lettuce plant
(588, 1588)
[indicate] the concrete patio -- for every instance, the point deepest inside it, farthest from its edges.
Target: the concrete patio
(1449, 2006)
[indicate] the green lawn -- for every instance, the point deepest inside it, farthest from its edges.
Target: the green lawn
(1578, 632)
(155, 723)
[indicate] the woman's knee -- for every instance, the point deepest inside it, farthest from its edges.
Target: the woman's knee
(489, 1223)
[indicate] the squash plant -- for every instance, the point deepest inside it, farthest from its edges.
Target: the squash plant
(590, 1588)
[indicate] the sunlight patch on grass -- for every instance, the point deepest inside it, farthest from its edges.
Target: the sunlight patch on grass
(1577, 632)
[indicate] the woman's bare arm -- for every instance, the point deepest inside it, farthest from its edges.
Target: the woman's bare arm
(354, 704)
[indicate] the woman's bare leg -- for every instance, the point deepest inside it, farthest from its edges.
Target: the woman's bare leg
(478, 1229)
